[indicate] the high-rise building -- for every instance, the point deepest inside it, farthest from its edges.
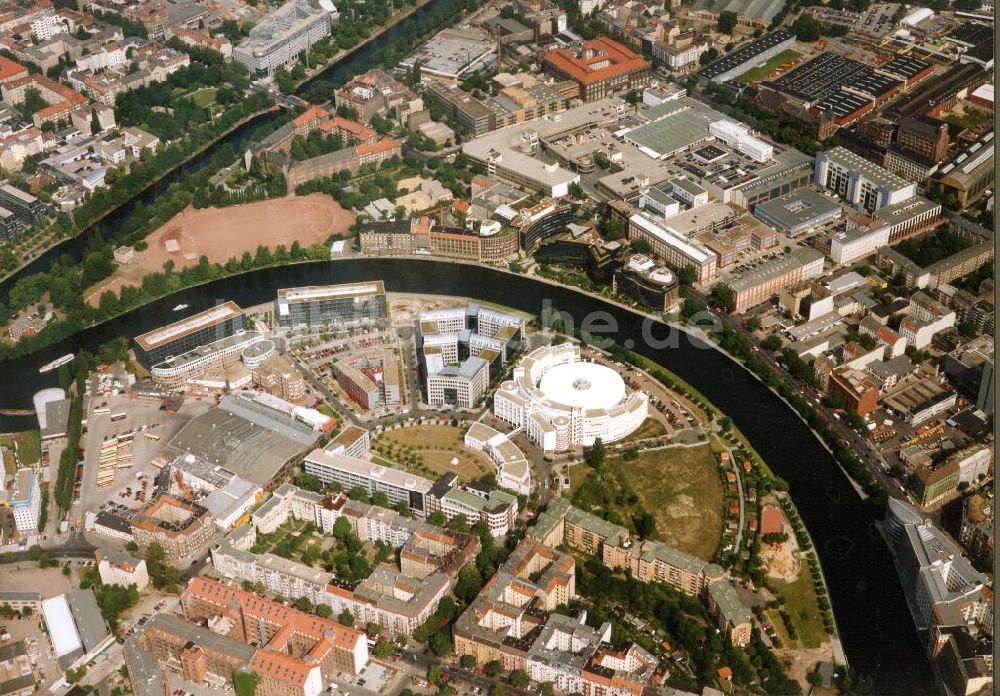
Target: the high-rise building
(332, 306)
(25, 501)
(857, 181)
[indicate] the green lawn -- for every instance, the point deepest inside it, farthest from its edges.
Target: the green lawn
(29, 446)
(769, 67)
(802, 607)
(204, 97)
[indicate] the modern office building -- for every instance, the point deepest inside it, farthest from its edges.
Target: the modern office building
(25, 206)
(941, 585)
(563, 402)
(647, 283)
(797, 212)
(673, 247)
(10, 226)
(283, 35)
(175, 370)
(459, 385)
(332, 306)
(219, 322)
(857, 243)
(24, 501)
(857, 181)
(760, 284)
(348, 472)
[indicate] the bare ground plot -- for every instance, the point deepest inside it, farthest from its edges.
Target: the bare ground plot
(681, 487)
(223, 233)
(431, 449)
(49, 581)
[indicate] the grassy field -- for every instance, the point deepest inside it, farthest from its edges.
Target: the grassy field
(802, 607)
(204, 97)
(969, 118)
(769, 67)
(649, 428)
(434, 447)
(29, 446)
(681, 487)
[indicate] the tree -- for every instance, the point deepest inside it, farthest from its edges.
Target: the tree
(727, 22)
(806, 28)
(382, 649)
(708, 56)
(493, 668)
(723, 296)
(437, 518)
(346, 618)
(596, 454)
(520, 679)
(773, 342)
(469, 582)
(310, 482)
(341, 528)
(324, 611)
(95, 122)
(304, 604)
(468, 662)
(613, 229)
(641, 245)
(440, 644)
(380, 499)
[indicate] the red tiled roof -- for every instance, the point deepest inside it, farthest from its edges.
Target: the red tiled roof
(583, 70)
(383, 145)
(9, 69)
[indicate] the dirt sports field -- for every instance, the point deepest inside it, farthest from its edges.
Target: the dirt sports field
(221, 233)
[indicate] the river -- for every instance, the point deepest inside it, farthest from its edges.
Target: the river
(875, 625)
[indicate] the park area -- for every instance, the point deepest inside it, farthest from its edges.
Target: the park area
(679, 486)
(224, 233)
(762, 71)
(800, 618)
(431, 450)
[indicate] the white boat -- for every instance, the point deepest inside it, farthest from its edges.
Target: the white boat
(180, 307)
(58, 362)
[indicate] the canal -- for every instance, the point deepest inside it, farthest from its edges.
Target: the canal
(877, 631)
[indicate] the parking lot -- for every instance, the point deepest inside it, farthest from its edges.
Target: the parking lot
(46, 667)
(151, 429)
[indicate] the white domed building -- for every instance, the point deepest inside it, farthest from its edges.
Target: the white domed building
(562, 401)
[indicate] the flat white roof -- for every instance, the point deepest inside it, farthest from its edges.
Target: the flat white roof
(319, 292)
(583, 385)
(672, 238)
(62, 627)
(192, 323)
